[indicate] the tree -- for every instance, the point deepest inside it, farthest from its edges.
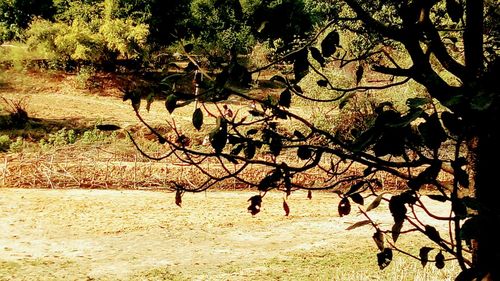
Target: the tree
(453, 51)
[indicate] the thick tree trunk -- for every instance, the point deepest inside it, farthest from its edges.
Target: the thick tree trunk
(486, 152)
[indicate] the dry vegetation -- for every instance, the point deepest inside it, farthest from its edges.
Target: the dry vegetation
(139, 235)
(136, 235)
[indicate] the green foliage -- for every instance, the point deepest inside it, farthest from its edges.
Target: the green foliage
(59, 138)
(4, 143)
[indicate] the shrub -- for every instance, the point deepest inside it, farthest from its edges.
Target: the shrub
(4, 143)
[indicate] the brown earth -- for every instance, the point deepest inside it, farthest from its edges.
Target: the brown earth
(113, 234)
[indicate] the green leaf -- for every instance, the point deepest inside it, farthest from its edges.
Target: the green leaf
(285, 98)
(197, 119)
(344, 207)
(375, 203)
(358, 224)
(330, 43)
(304, 152)
(316, 54)
(384, 258)
(439, 260)
(171, 103)
(322, 83)
(424, 255)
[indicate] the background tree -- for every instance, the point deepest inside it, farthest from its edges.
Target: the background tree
(451, 49)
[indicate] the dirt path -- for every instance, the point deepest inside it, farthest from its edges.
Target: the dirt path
(108, 235)
(114, 233)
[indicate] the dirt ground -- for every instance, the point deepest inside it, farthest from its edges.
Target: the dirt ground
(113, 234)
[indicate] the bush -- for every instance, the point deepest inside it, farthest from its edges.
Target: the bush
(4, 143)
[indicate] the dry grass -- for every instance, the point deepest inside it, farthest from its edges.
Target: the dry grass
(139, 235)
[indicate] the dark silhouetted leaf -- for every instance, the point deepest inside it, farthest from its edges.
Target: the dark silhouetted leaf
(107, 127)
(384, 258)
(344, 207)
(330, 43)
(171, 103)
(297, 89)
(237, 149)
(279, 78)
(396, 230)
(188, 48)
(304, 152)
(455, 10)
(249, 150)
(316, 54)
(255, 204)
(197, 119)
(358, 224)
(357, 198)
(178, 197)
(432, 233)
(285, 98)
(432, 132)
(322, 83)
(454, 124)
(256, 113)
(375, 203)
(424, 255)
(470, 229)
(470, 202)
(378, 237)
(298, 134)
(469, 274)
(359, 74)
(429, 175)
(218, 137)
(397, 208)
(440, 198)
(356, 187)
(301, 65)
(459, 208)
(276, 145)
(439, 260)
(309, 194)
(252, 132)
(270, 181)
(286, 208)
